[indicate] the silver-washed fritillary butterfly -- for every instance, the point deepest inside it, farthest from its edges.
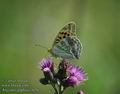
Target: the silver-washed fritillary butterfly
(66, 44)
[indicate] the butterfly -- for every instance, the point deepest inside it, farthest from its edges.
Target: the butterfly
(66, 44)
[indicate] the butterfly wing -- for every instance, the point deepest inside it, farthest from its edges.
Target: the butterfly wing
(66, 44)
(66, 31)
(62, 49)
(70, 27)
(75, 46)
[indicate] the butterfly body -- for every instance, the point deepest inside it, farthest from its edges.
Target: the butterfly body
(66, 44)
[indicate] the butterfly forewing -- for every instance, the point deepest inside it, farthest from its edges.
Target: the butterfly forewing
(70, 27)
(66, 31)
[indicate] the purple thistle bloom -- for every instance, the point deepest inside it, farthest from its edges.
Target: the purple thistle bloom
(47, 65)
(81, 92)
(76, 75)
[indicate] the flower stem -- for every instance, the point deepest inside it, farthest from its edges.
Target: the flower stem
(53, 85)
(63, 90)
(60, 89)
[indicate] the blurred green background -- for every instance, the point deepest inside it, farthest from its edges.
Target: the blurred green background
(24, 23)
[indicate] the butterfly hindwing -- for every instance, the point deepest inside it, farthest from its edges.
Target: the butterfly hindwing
(62, 49)
(75, 46)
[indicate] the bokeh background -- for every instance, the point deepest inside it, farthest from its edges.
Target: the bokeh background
(24, 23)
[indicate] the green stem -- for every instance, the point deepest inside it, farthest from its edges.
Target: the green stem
(60, 89)
(53, 85)
(63, 90)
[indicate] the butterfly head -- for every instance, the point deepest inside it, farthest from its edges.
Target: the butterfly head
(49, 50)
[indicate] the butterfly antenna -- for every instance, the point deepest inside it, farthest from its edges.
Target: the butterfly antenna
(41, 46)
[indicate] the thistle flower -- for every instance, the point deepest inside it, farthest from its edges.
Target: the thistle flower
(63, 65)
(76, 75)
(47, 65)
(67, 75)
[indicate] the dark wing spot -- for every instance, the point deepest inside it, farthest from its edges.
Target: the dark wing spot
(69, 27)
(57, 40)
(64, 36)
(68, 34)
(60, 37)
(65, 33)
(62, 33)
